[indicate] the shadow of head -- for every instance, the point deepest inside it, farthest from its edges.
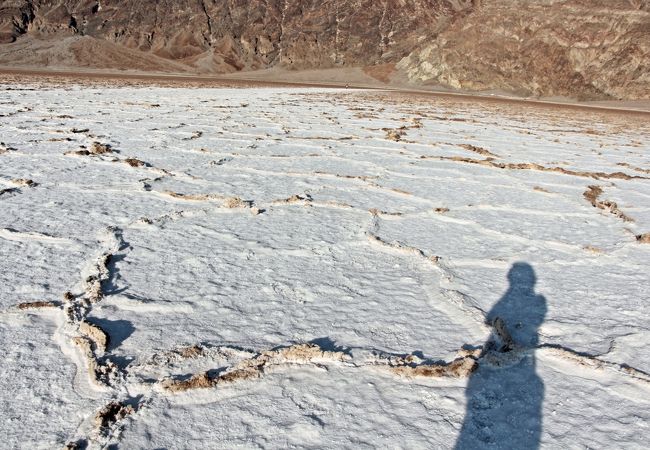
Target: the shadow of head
(520, 308)
(522, 276)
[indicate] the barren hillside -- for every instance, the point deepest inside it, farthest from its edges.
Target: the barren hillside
(578, 48)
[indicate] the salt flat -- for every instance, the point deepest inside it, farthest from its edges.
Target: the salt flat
(274, 267)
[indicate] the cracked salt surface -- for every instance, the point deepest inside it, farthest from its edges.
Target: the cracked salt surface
(315, 268)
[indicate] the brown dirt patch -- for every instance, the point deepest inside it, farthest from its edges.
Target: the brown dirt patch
(236, 202)
(135, 162)
(459, 368)
(112, 413)
(254, 367)
(193, 197)
(37, 305)
(98, 336)
(643, 238)
(190, 352)
(535, 166)
(479, 150)
(394, 134)
(593, 193)
(97, 148)
(380, 72)
(24, 182)
(636, 169)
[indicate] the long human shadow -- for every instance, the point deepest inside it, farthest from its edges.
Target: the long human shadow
(505, 394)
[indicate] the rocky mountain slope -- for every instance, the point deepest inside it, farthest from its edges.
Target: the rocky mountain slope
(580, 48)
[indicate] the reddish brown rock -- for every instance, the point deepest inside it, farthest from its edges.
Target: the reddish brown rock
(578, 48)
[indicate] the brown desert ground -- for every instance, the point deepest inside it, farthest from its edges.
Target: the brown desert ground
(352, 78)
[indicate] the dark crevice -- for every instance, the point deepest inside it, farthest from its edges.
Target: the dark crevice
(208, 38)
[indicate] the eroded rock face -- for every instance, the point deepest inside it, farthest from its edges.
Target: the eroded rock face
(589, 49)
(242, 34)
(584, 48)
(15, 17)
